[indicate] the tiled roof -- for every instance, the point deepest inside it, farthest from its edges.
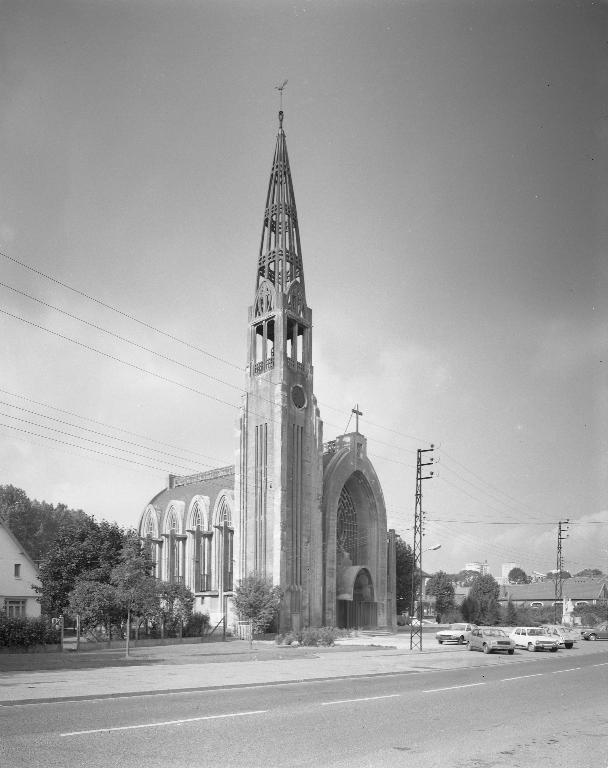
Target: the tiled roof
(576, 588)
(206, 484)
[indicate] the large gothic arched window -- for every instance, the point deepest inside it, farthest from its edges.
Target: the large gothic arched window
(149, 534)
(174, 549)
(201, 558)
(224, 546)
(346, 527)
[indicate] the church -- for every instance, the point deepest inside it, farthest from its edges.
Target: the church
(307, 515)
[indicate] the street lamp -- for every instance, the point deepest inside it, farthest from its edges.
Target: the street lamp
(428, 549)
(420, 610)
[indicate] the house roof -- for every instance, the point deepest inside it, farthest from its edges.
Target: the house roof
(576, 588)
(18, 544)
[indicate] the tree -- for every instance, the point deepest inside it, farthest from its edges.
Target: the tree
(440, 585)
(518, 576)
(174, 604)
(257, 601)
(95, 603)
(511, 618)
(554, 574)
(404, 565)
(34, 523)
(481, 603)
(82, 549)
(592, 573)
(466, 578)
(134, 583)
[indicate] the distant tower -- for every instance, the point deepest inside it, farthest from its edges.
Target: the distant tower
(280, 471)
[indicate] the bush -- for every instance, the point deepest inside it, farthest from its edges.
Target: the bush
(23, 632)
(197, 625)
(312, 636)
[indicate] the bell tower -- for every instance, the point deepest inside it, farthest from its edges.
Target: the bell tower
(280, 467)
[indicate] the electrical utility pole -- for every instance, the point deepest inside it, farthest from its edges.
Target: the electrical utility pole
(416, 602)
(562, 528)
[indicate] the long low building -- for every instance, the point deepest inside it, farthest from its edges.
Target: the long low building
(538, 594)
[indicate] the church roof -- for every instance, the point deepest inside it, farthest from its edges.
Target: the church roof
(203, 484)
(280, 258)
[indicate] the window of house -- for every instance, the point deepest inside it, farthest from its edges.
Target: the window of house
(17, 570)
(14, 608)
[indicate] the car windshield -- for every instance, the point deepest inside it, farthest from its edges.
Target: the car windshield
(536, 631)
(494, 632)
(458, 626)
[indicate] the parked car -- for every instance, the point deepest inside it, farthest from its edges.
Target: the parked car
(596, 633)
(489, 639)
(534, 639)
(566, 636)
(456, 633)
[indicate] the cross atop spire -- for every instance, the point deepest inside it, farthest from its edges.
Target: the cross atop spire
(280, 88)
(280, 257)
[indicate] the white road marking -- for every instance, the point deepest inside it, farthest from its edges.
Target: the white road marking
(166, 722)
(452, 687)
(572, 669)
(603, 664)
(367, 698)
(521, 677)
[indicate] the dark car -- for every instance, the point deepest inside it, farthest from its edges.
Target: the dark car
(596, 633)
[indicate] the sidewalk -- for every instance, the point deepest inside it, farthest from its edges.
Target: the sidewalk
(230, 664)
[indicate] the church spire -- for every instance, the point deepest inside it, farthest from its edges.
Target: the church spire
(280, 258)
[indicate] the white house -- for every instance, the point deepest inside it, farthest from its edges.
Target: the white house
(18, 573)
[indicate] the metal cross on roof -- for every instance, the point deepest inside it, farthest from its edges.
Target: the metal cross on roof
(357, 413)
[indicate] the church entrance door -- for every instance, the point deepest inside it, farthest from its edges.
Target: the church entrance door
(361, 611)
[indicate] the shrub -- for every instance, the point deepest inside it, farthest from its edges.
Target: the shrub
(197, 625)
(312, 636)
(23, 632)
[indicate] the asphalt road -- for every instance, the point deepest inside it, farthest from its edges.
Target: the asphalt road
(507, 711)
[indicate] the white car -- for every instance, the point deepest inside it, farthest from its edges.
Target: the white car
(455, 633)
(534, 639)
(566, 637)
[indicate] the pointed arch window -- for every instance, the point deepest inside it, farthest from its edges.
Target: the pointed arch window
(174, 549)
(149, 537)
(201, 558)
(346, 527)
(225, 547)
(264, 302)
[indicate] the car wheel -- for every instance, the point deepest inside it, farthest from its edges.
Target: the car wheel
(440, 642)
(554, 649)
(461, 640)
(569, 645)
(511, 651)
(486, 649)
(592, 637)
(531, 647)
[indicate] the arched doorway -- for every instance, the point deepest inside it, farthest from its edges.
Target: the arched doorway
(356, 606)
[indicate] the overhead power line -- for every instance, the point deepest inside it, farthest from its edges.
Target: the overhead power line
(104, 424)
(120, 312)
(122, 338)
(120, 360)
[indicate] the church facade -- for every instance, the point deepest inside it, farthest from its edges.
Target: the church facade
(307, 515)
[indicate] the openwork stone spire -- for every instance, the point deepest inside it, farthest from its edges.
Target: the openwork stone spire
(280, 259)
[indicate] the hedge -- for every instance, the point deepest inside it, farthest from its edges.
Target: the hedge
(22, 632)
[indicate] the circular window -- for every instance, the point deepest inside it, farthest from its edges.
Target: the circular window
(298, 396)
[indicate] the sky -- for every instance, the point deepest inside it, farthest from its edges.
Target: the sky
(449, 166)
